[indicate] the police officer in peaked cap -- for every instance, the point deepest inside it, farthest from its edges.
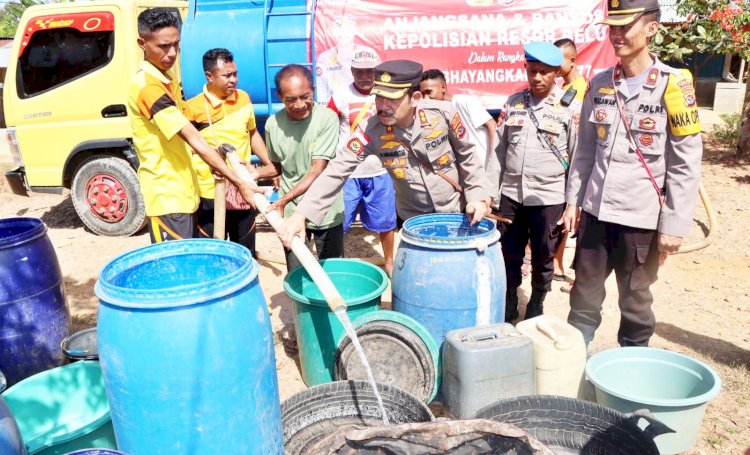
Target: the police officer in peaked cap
(635, 175)
(422, 143)
(529, 170)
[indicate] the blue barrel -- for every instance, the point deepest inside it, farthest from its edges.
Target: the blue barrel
(186, 348)
(449, 275)
(34, 317)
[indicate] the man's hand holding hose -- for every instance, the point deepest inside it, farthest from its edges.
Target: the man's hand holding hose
(294, 226)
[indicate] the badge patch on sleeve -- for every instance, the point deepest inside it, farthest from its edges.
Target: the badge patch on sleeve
(355, 146)
(681, 106)
(357, 143)
(457, 125)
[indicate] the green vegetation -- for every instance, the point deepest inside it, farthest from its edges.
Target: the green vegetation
(10, 14)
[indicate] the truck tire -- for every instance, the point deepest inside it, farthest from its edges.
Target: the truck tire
(107, 197)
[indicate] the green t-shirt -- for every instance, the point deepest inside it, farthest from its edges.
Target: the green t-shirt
(294, 144)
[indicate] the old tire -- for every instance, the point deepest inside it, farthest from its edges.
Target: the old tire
(107, 197)
(318, 411)
(567, 425)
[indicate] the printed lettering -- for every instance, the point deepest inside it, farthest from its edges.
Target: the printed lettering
(604, 100)
(434, 144)
(650, 109)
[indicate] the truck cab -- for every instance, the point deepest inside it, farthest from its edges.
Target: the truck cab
(64, 102)
(65, 90)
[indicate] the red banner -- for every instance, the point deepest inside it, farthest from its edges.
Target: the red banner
(478, 44)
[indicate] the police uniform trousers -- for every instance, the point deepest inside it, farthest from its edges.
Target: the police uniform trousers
(535, 224)
(634, 256)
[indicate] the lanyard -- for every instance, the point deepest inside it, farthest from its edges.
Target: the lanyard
(543, 136)
(626, 123)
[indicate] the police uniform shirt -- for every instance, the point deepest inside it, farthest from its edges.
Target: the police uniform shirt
(437, 142)
(527, 170)
(607, 178)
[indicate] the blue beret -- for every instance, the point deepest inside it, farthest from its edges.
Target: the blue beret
(543, 52)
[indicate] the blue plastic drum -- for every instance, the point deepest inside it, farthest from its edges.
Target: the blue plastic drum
(449, 275)
(186, 349)
(34, 317)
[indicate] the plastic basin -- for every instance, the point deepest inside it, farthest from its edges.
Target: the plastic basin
(674, 387)
(59, 405)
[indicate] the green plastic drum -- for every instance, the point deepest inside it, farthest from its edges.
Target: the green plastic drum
(317, 328)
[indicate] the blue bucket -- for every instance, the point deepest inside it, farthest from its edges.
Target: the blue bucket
(674, 387)
(35, 317)
(186, 348)
(449, 275)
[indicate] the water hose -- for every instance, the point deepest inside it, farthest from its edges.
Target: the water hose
(307, 260)
(713, 225)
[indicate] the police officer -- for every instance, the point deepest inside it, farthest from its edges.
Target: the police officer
(634, 178)
(424, 146)
(531, 163)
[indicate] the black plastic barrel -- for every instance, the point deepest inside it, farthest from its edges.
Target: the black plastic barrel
(35, 317)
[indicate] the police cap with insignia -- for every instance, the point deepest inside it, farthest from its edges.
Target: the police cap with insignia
(395, 77)
(543, 52)
(624, 12)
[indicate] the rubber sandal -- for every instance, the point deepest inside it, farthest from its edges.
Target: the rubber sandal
(562, 277)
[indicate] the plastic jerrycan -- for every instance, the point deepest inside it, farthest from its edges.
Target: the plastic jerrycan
(560, 354)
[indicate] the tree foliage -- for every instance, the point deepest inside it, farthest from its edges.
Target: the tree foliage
(10, 15)
(711, 27)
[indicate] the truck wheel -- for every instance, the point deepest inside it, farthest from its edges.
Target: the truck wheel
(107, 197)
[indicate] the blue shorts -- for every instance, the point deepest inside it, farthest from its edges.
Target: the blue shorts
(374, 199)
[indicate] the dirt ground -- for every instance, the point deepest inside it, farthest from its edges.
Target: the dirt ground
(702, 298)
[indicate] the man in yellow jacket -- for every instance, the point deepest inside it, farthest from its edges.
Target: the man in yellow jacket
(224, 114)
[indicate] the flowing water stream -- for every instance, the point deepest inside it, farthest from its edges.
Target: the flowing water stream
(340, 313)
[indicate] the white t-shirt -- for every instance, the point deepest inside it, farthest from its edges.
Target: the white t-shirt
(348, 104)
(476, 116)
